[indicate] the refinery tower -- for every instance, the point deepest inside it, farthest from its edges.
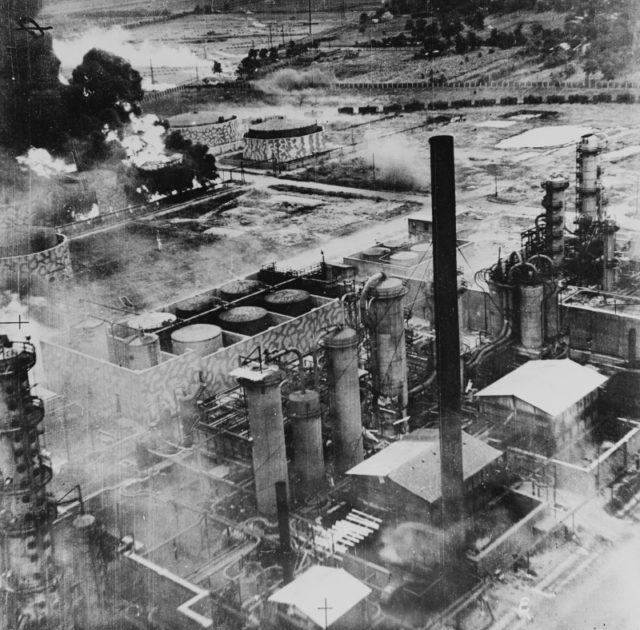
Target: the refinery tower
(30, 598)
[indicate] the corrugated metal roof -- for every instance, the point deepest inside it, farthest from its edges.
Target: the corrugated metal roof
(549, 385)
(321, 586)
(414, 462)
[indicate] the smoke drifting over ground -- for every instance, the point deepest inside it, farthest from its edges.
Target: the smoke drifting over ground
(289, 80)
(398, 163)
(118, 42)
(410, 544)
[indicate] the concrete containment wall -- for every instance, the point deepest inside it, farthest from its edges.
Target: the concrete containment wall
(49, 264)
(210, 133)
(143, 395)
(283, 149)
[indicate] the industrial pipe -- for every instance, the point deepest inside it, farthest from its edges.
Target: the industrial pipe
(373, 281)
(272, 356)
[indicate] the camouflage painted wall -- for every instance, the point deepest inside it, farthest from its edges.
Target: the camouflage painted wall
(211, 134)
(49, 264)
(283, 149)
(143, 395)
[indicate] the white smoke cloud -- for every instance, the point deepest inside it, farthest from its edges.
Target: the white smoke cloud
(117, 41)
(144, 142)
(41, 162)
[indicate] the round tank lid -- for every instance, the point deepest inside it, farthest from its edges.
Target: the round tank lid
(287, 296)
(421, 247)
(308, 396)
(144, 340)
(390, 288)
(196, 332)
(375, 251)
(241, 287)
(151, 320)
(243, 314)
(196, 302)
(341, 338)
(403, 256)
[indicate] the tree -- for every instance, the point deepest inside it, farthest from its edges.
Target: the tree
(217, 67)
(590, 67)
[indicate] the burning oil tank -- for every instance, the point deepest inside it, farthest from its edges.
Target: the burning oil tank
(292, 302)
(202, 339)
(245, 320)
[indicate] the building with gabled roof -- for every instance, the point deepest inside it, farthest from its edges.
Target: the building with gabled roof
(407, 474)
(322, 597)
(542, 405)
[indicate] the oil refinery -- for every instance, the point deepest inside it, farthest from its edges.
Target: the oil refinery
(373, 436)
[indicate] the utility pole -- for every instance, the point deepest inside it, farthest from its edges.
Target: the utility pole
(151, 67)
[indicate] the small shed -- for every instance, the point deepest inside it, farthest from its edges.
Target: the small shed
(542, 405)
(322, 597)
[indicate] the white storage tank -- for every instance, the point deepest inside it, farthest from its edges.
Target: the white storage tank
(203, 339)
(143, 352)
(151, 321)
(405, 258)
(422, 250)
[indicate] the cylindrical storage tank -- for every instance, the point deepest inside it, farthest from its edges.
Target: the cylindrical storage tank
(374, 253)
(422, 249)
(531, 317)
(186, 309)
(151, 321)
(308, 461)
(143, 352)
(202, 339)
(239, 289)
(406, 259)
(245, 320)
(264, 411)
(344, 397)
(292, 302)
(387, 321)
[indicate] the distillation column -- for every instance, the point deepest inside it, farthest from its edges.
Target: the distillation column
(264, 410)
(554, 204)
(31, 597)
(344, 397)
(387, 322)
(531, 316)
(609, 262)
(588, 185)
(304, 412)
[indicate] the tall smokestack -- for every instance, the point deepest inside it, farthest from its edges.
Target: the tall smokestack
(443, 200)
(284, 531)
